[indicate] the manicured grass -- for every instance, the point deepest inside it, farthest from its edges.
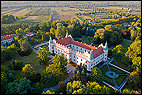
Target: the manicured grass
(118, 71)
(126, 44)
(30, 59)
(104, 69)
(120, 79)
(108, 80)
(119, 64)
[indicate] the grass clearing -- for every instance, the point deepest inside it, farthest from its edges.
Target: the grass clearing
(126, 44)
(104, 69)
(118, 71)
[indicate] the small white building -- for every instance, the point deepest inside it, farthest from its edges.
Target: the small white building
(78, 52)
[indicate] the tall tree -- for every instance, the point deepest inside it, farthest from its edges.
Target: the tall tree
(43, 56)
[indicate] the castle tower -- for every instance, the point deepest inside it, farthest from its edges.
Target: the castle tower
(51, 45)
(105, 49)
(66, 35)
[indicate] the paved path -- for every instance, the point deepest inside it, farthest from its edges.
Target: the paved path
(41, 44)
(82, 37)
(119, 68)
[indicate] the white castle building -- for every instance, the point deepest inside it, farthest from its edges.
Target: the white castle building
(78, 52)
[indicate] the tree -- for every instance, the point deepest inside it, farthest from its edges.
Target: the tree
(99, 34)
(76, 87)
(59, 33)
(60, 62)
(7, 19)
(27, 70)
(108, 28)
(96, 75)
(16, 65)
(62, 87)
(134, 54)
(38, 88)
(134, 80)
(116, 38)
(48, 92)
(43, 56)
(21, 86)
(127, 91)
(95, 88)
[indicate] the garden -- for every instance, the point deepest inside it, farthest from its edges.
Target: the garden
(113, 76)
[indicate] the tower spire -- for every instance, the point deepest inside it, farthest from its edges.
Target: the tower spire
(66, 35)
(106, 44)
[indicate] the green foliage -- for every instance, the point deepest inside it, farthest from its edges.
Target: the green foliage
(60, 62)
(96, 75)
(27, 70)
(80, 74)
(76, 88)
(127, 91)
(134, 80)
(43, 56)
(48, 92)
(38, 88)
(61, 88)
(95, 88)
(19, 87)
(7, 19)
(16, 65)
(8, 53)
(134, 53)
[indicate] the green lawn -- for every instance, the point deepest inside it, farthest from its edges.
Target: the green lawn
(30, 59)
(118, 71)
(120, 79)
(121, 65)
(104, 69)
(108, 80)
(126, 44)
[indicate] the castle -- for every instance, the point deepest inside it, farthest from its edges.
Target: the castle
(78, 52)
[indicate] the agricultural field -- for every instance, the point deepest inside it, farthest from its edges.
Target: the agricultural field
(65, 13)
(21, 12)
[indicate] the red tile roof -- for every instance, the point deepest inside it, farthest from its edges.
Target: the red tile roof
(69, 40)
(6, 37)
(30, 33)
(97, 52)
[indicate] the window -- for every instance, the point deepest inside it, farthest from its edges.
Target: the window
(81, 48)
(91, 64)
(77, 61)
(77, 47)
(77, 57)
